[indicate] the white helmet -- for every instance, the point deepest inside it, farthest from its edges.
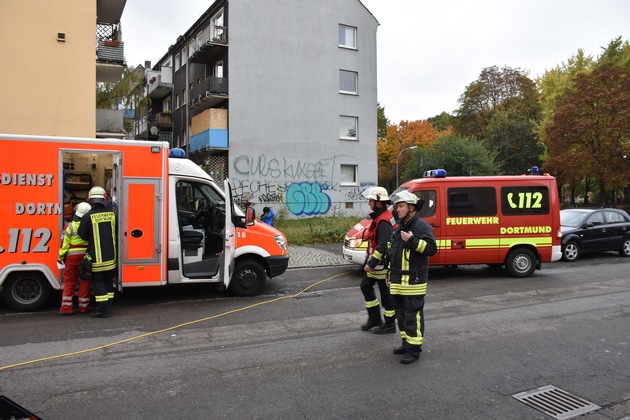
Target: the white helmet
(82, 208)
(405, 196)
(97, 194)
(376, 194)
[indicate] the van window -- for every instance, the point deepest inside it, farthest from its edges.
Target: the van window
(472, 201)
(430, 199)
(524, 200)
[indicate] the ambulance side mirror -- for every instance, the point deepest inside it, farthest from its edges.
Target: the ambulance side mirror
(250, 215)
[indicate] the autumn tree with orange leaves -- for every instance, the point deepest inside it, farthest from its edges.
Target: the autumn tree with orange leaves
(400, 136)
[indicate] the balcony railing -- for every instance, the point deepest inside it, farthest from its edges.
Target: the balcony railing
(160, 82)
(208, 43)
(209, 93)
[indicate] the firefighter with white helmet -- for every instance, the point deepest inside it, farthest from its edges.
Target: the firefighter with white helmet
(71, 253)
(377, 236)
(98, 228)
(412, 244)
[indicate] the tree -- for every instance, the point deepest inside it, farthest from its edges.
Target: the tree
(589, 133)
(457, 155)
(495, 89)
(381, 122)
(405, 134)
(127, 92)
(442, 122)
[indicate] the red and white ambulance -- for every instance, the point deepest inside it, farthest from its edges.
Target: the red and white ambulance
(176, 225)
(511, 221)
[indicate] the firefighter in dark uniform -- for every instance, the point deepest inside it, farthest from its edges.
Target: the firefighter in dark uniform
(377, 235)
(412, 244)
(98, 228)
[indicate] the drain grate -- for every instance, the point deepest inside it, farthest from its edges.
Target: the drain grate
(555, 402)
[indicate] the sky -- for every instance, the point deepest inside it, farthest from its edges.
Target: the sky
(428, 51)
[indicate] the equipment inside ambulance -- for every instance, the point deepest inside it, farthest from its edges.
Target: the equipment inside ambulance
(511, 221)
(176, 225)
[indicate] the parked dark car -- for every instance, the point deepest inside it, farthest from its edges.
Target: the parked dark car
(594, 230)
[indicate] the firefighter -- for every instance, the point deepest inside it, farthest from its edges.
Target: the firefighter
(71, 253)
(377, 235)
(412, 244)
(98, 228)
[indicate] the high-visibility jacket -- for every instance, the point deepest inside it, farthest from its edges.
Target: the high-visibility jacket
(378, 234)
(72, 244)
(98, 227)
(409, 261)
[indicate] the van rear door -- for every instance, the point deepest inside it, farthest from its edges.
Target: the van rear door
(229, 236)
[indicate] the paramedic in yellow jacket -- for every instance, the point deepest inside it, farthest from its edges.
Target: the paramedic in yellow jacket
(71, 253)
(412, 244)
(377, 236)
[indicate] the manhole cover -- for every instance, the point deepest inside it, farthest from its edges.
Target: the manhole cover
(555, 402)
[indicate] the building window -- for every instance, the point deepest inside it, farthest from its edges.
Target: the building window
(348, 127)
(347, 37)
(178, 61)
(348, 81)
(184, 55)
(177, 101)
(349, 174)
(167, 106)
(199, 80)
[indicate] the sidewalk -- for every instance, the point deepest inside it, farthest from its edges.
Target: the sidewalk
(324, 255)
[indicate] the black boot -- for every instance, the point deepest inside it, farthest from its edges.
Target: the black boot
(374, 319)
(389, 327)
(400, 350)
(412, 354)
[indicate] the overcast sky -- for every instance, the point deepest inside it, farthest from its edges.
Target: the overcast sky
(428, 51)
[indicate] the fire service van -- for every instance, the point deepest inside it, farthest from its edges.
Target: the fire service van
(511, 221)
(175, 224)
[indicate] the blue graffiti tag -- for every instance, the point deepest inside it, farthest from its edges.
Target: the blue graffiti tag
(308, 198)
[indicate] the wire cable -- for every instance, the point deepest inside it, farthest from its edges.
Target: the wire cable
(127, 340)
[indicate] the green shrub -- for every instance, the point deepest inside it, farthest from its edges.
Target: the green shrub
(316, 230)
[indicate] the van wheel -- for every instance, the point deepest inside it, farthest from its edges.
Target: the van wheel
(248, 279)
(624, 251)
(520, 262)
(571, 251)
(26, 291)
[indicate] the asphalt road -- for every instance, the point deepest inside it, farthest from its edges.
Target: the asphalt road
(297, 352)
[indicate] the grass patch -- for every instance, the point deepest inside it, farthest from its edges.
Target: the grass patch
(316, 230)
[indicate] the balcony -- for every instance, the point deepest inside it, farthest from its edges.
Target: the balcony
(163, 120)
(110, 53)
(208, 44)
(209, 93)
(109, 123)
(160, 83)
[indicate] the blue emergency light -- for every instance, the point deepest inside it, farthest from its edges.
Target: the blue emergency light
(434, 173)
(177, 153)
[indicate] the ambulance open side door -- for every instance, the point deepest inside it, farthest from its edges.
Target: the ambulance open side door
(229, 236)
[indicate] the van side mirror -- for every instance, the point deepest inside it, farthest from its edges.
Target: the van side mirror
(250, 215)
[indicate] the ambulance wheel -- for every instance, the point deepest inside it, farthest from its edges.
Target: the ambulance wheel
(249, 278)
(571, 251)
(26, 291)
(520, 262)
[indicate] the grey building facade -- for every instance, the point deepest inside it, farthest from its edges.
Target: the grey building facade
(279, 96)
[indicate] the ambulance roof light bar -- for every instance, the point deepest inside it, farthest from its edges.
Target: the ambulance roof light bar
(177, 153)
(435, 173)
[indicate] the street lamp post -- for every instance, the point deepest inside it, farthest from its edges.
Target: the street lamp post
(406, 148)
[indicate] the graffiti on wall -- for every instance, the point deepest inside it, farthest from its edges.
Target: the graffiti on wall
(304, 187)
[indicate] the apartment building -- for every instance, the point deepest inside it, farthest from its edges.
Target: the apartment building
(57, 52)
(278, 96)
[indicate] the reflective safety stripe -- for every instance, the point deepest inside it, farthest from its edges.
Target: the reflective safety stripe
(101, 298)
(389, 314)
(408, 289)
(110, 295)
(66, 301)
(377, 274)
(377, 255)
(417, 340)
(403, 334)
(421, 246)
(371, 304)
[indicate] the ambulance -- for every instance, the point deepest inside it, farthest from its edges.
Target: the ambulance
(510, 221)
(176, 225)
